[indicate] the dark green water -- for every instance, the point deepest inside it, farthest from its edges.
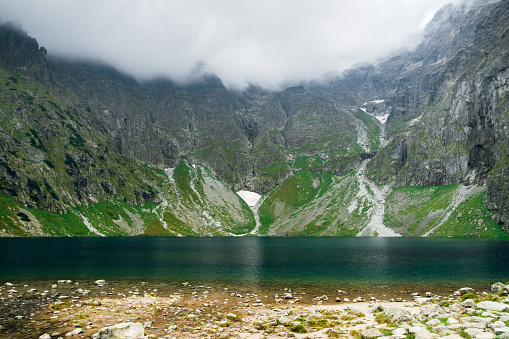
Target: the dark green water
(258, 260)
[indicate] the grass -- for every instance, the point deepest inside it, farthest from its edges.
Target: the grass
(471, 219)
(411, 209)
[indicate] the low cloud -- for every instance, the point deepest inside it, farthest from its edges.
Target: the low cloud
(264, 42)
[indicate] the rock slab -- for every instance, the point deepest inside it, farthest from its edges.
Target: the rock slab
(371, 333)
(492, 306)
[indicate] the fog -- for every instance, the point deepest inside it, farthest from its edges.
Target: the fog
(264, 42)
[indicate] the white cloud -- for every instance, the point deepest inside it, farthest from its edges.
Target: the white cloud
(266, 42)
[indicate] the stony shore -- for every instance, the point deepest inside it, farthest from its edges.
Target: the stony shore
(69, 310)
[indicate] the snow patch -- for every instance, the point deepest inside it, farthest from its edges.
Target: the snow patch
(251, 198)
(382, 118)
(363, 109)
(377, 101)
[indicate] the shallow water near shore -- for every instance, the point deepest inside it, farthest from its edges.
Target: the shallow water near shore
(385, 266)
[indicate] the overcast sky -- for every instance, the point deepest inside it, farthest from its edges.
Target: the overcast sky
(264, 42)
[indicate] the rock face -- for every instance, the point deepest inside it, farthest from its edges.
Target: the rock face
(457, 135)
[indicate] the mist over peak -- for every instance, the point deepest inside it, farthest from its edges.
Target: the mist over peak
(264, 43)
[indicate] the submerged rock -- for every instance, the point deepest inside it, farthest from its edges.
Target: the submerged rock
(497, 287)
(121, 331)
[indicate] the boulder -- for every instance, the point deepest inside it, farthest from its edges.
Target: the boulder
(473, 331)
(496, 324)
(371, 333)
(468, 303)
(492, 306)
(398, 314)
(501, 330)
(465, 290)
(74, 332)
(287, 295)
(100, 282)
(400, 331)
(452, 320)
(496, 288)
(433, 322)
(121, 331)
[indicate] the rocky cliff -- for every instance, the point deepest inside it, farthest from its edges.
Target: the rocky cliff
(459, 134)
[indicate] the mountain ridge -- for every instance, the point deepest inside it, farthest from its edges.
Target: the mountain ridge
(82, 139)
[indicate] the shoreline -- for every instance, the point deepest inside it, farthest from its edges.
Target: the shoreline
(201, 311)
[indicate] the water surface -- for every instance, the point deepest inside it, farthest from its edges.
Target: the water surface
(258, 259)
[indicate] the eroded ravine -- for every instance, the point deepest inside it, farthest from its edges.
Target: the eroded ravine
(372, 194)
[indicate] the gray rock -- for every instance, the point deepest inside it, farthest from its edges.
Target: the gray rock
(501, 330)
(452, 320)
(468, 303)
(504, 336)
(485, 335)
(398, 314)
(124, 330)
(425, 335)
(496, 288)
(74, 332)
(433, 322)
(45, 336)
(480, 326)
(473, 331)
(465, 290)
(422, 300)
(400, 331)
(371, 333)
(497, 324)
(492, 306)
(454, 336)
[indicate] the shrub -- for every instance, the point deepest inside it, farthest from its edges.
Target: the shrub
(381, 318)
(299, 328)
(468, 296)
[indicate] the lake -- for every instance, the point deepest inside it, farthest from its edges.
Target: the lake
(261, 262)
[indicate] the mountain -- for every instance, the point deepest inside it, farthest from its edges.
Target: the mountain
(87, 150)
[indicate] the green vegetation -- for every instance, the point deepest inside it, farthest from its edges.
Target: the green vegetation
(468, 296)
(413, 211)
(471, 219)
(299, 328)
